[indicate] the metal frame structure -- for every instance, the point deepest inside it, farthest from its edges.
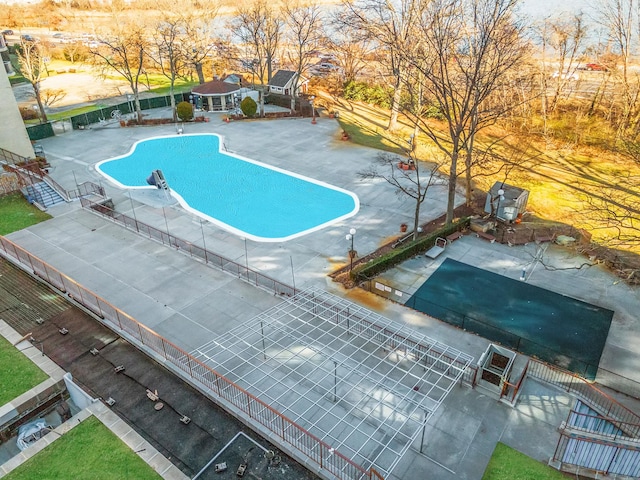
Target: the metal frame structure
(361, 383)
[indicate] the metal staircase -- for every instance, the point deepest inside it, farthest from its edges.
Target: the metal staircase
(42, 193)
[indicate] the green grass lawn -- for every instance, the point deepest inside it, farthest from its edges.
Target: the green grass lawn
(88, 451)
(509, 464)
(16, 213)
(18, 374)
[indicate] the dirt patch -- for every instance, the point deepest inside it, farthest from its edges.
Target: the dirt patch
(78, 88)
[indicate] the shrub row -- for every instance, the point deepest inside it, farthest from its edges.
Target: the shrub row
(398, 255)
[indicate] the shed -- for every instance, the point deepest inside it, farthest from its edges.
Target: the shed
(506, 202)
(284, 81)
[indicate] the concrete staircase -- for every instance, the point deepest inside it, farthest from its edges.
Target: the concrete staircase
(42, 193)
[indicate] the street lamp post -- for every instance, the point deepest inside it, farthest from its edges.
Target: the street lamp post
(500, 197)
(236, 103)
(313, 110)
(352, 253)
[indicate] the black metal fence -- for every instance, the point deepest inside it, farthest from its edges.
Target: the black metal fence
(124, 108)
(40, 131)
(210, 258)
(484, 329)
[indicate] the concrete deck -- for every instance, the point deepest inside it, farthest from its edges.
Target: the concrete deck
(190, 303)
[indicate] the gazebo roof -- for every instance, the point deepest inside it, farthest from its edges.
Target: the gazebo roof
(215, 88)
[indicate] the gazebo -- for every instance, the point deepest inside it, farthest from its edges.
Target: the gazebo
(218, 95)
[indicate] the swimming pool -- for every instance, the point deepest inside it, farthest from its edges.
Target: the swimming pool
(246, 197)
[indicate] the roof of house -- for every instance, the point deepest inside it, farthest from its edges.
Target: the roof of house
(233, 78)
(510, 191)
(216, 87)
(281, 78)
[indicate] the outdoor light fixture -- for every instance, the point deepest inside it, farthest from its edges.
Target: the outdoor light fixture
(313, 117)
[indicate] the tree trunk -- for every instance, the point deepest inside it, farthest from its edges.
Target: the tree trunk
(138, 108)
(451, 191)
(200, 72)
(173, 102)
(395, 106)
(43, 115)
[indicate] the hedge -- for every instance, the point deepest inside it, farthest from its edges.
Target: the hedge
(398, 255)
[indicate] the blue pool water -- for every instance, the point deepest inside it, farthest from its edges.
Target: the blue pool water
(249, 198)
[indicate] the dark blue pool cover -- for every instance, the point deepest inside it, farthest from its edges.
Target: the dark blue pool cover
(554, 328)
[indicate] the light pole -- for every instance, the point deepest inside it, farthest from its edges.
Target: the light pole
(313, 111)
(236, 103)
(352, 253)
(500, 197)
(130, 102)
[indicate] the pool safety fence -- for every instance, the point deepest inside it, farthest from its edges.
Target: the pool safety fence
(484, 329)
(229, 395)
(608, 407)
(208, 257)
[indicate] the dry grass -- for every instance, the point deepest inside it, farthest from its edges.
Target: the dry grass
(560, 175)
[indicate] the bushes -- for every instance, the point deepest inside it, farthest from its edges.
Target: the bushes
(184, 110)
(394, 257)
(368, 93)
(249, 106)
(28, 113)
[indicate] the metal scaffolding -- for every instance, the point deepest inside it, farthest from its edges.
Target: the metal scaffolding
(362, 383)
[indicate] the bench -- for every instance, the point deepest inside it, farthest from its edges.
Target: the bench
(486, 236)
(454, 236)
(437, 249)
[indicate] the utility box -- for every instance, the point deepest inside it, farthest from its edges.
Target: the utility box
(506, 202)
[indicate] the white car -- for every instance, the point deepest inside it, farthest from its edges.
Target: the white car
(565, 75)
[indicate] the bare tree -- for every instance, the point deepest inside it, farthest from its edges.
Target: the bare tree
(351, 49)
(199, 37)
(259, 27)
(407, 177)
(124, 51)
(168, 53)
(619, 17)
(566, 38)
(304, 34)
(31, 57)
(464, 51)
(51, 96)
(390, 26)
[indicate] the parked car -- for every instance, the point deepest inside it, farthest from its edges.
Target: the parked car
(565, 75)
(28, 38)
(596, 67)
(7, 32)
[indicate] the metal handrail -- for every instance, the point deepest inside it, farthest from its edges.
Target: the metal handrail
(312, 447)
(210, 258)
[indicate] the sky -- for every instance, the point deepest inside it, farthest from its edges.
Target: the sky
(538, 9)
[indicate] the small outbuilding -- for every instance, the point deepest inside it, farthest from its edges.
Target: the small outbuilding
(284, 82)
(218, 95)
(506, 202)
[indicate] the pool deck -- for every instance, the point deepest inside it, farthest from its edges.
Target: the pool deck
(190, 303)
